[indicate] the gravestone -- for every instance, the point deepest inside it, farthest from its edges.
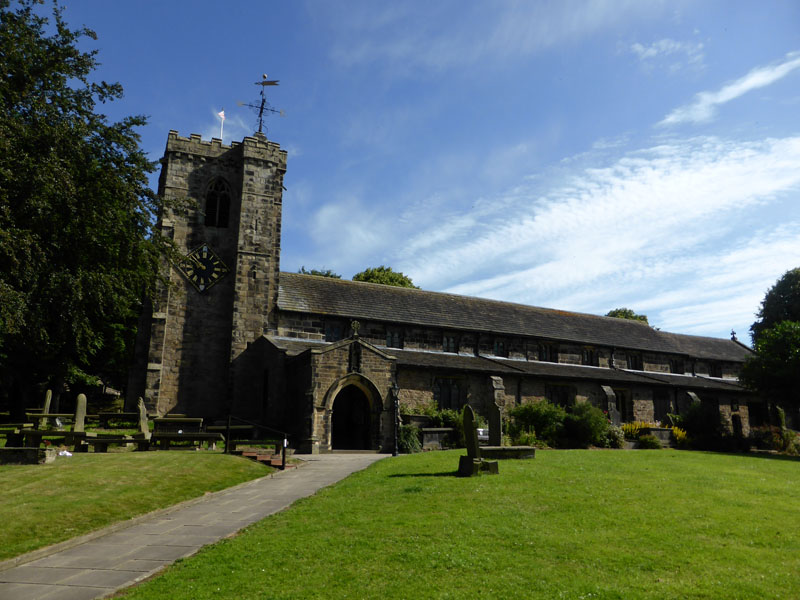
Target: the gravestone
(80, 414)
(44, 421)
(144, 423)
(495, 417)
(78, 435)
(472, 464)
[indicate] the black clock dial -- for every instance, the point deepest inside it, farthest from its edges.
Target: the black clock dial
(203, 268)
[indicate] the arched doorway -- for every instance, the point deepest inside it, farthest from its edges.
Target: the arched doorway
(350, 421)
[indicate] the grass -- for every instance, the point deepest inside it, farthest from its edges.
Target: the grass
(569, 524)
(45, 504)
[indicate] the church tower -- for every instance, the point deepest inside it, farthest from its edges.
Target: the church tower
(226, 224)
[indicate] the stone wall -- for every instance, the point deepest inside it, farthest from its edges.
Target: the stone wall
(313, 327)
(194, 335)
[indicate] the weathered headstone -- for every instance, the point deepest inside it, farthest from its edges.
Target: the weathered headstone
(143, 437)
(471, 433)
(495, 408)
(44, 421)
(144, 423)
(78, 436)
(80, 414)
(472, 464)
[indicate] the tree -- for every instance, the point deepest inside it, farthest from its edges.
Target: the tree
(78, 247)
(626, 313)
(781, 303)
(319, 273)
(774, 369)
(384, 276)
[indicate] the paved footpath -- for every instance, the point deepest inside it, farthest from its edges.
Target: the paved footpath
(98, 564)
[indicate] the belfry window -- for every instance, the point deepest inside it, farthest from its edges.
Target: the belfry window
(218, 204)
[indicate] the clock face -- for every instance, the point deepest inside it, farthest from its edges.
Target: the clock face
(203, 268)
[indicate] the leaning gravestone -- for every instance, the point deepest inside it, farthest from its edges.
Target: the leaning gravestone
(44, 421)
(472, 464)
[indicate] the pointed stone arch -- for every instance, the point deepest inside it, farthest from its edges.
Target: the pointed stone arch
(353, 406)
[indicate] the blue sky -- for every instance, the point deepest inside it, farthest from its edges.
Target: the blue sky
(576, 155)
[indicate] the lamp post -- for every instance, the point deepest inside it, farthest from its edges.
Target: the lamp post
(396, 398)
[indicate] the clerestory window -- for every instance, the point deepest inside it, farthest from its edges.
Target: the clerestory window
(394, 338)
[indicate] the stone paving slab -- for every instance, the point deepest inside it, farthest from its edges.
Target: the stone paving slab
(99, 564)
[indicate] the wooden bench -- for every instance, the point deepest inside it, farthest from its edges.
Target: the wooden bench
(183, 429)
(102, 442)
(198, 437)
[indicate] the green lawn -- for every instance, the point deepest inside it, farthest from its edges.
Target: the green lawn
(569, 524)
(45, 504)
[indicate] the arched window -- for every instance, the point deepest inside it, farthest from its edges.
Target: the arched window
(218, 204)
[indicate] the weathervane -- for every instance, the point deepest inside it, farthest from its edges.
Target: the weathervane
(263, 105)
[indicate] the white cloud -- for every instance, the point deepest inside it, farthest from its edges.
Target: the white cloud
(667, 50)
(235, 127)
(705, 105)
(662, 227)
(349, 230)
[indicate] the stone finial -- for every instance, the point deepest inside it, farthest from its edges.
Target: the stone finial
(356, 326)
(733, 336)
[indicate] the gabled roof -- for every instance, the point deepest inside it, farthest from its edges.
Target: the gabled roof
(374, 302)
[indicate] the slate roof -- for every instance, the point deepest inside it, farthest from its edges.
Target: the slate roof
(369, 301)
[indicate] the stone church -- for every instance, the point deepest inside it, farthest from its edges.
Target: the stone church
(330, 360)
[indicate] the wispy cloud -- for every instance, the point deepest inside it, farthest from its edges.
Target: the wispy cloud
(705, 104)
(667, 50)
(444, 35)
(671, 217)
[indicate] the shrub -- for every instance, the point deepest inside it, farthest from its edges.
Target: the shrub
(525, 438)
(680, 436)
(585, 425)
(649, 442)
(615, 438)
(455, 420)
(543, 418)
(408, 440)
(631, 430)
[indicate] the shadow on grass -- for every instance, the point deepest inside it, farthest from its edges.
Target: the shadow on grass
(765, 454)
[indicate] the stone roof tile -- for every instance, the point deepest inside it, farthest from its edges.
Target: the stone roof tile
(369, 301)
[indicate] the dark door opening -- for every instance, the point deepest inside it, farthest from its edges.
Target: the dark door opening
(350, 420)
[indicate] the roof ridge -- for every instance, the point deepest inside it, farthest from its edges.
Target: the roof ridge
(335, 281)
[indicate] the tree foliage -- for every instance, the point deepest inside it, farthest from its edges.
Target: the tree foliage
(78, 250)
(774, 369)
(781, 303)
(319, 273)
(384, 276)
(626, 313)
